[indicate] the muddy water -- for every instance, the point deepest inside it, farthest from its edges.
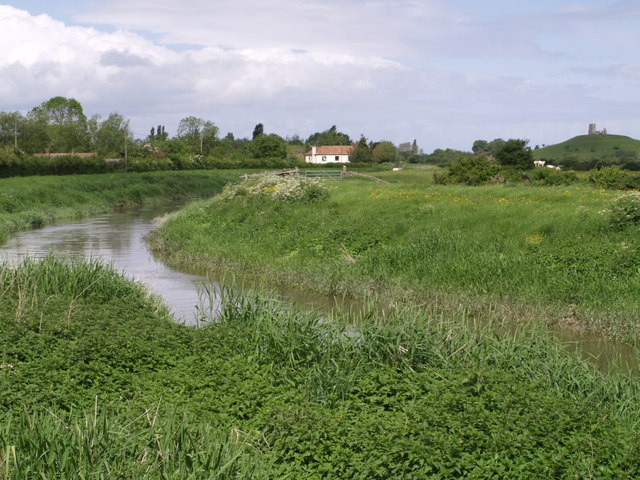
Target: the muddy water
(117, 238)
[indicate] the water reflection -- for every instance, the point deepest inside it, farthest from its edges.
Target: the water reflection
(117, 239)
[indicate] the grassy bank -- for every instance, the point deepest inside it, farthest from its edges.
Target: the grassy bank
(96, 382)
(35, 201)
(545, 253)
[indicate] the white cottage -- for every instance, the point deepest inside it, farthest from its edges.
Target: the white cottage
(329, 154)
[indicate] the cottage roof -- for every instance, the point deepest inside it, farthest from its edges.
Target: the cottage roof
(332, 150)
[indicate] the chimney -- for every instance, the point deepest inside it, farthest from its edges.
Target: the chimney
(313, 150)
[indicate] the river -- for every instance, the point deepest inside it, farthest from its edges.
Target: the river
(118, 239)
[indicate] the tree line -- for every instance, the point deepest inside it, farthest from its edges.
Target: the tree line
(60, 125)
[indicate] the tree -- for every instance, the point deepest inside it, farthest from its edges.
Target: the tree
(65, 123)
(198, 134)
(515, 153)
(329, 137)
(10, 125)
(480, 146)
(109, 135)
(257, 131)
(384, 152)
(494, 146)
(268, 146)
(361, 152)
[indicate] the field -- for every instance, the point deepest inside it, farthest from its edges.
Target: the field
(546, 254)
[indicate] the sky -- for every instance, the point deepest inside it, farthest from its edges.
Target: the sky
(444, 73)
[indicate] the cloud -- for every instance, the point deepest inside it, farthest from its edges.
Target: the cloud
(394, 70)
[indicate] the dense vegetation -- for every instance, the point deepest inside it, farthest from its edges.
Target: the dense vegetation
(49, 137)
(96, 382)
(586, 152)
(553, 253)
(36, 201)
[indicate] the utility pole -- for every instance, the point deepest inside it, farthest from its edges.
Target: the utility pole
(126, 156)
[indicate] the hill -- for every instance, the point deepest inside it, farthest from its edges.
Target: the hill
(591, 151)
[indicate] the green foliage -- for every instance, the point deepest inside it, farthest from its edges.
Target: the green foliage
(110, 388)
(515, 153)
(475, 170)
(257, 131)
(623, 211)
(329, 137)
(64, 122)
(490, 148)
(292, 189)
(440, 157)
(384, 152)
(268, 146)
(614, 178)
(199, 134)
(547, 176)
(361, 152)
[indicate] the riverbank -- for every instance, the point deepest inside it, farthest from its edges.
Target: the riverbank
(96, 380)
(545, 255)
(36, 201)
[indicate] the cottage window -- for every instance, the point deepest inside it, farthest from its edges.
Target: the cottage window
(324, 158)
(337, 158)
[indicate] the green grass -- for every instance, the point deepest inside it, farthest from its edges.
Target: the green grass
(27, 202)
(516, 251)
(96, 382)
(587, 148)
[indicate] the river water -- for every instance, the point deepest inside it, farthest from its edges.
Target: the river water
(117, 238)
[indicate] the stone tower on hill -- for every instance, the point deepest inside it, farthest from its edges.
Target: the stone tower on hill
(593, 131)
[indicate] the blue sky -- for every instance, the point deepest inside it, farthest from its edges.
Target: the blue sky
(442, 72)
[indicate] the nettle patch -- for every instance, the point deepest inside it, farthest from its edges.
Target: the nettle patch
(292, 189)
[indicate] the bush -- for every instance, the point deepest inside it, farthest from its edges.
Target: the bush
(282, 189)
(546, 176)
(474, 170)
(623, 211)
(613, 178)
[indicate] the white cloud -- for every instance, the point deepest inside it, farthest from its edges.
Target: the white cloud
(393, 70)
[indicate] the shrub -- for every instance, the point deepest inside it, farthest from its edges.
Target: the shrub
(284, 189)
(474, 170)
(546, 176)
(611, 177)
(623, 211)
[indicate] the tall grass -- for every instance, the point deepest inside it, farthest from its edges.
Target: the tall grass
(545, 252)
(264, 390)
(102, 444)
(37, 201)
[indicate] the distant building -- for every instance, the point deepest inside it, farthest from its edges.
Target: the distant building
(593, 131)
(329, 154)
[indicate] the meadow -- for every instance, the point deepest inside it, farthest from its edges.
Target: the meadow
(544, 254)
(97, 382)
